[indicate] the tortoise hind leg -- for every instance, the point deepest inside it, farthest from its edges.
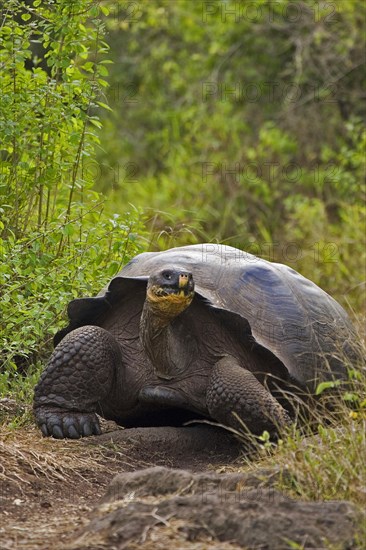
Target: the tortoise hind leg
(79, 374)
(233, 389)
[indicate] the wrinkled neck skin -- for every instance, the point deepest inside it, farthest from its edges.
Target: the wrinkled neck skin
(156, 332)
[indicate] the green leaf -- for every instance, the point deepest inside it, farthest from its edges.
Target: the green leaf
(103, 71)
(104, 9)
(68, 229)
(95, 122)
(326, 385)
(351, 397)
(104, 105)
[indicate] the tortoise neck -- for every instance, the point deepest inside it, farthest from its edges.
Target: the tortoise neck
(154, 335)
(154, 320)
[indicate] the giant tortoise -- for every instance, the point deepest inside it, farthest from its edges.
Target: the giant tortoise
(201, 331)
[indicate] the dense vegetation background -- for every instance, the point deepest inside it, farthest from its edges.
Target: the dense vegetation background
(131, 126)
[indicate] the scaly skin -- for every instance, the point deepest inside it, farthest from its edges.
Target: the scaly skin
(232, 388)
(80, 375)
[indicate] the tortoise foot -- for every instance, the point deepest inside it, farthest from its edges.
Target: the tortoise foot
(60, 423)
(235, 393)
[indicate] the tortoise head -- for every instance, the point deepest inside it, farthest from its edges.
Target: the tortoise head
(170, 291)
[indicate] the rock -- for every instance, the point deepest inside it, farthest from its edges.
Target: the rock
(238, 507)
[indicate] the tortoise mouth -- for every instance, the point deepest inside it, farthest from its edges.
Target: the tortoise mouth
(166, 290)
(170, 293)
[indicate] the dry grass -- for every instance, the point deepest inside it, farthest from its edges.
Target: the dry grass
(25, 452)
(49, 486)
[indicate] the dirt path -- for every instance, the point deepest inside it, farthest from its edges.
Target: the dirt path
(49, 488)
(179, 488)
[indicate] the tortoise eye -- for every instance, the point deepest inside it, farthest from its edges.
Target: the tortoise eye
(167, 275)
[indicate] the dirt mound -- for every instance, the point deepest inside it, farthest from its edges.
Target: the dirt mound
(194, 447)
(234, 508)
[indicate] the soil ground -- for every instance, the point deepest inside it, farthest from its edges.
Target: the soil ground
(48, 487)
(59, 495)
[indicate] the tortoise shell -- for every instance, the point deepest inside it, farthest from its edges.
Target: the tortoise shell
(289, 315)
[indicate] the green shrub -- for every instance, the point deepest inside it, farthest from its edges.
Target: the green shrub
(56, 240)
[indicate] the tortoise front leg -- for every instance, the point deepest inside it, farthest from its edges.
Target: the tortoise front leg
(79, 375)
(232, 388)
